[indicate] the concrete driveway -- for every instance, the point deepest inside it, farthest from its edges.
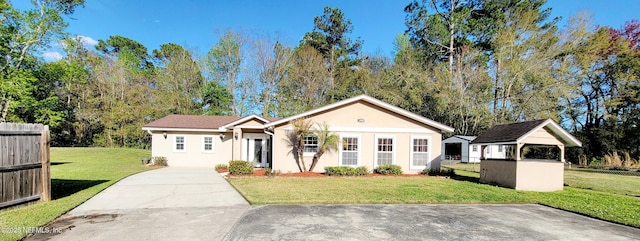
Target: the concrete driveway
(166, 204)
(198, 204)
(422, 222)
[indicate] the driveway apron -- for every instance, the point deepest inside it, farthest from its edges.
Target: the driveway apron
(172, 203)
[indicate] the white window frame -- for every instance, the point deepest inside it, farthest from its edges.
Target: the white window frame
(213, 144)
(500, 148)
(429, 152)
(184, 143)
(305, 153)
(474, 148)
(359, 151)
(393, 148)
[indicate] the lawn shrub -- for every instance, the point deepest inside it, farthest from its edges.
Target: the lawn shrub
(346, 171)
(388, 170)
(447, 172)
(160, 161)
(222, 166)
(237, 167)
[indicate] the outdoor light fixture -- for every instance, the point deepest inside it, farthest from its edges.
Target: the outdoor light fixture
(164, 133)
(222, 136)
(235, 134)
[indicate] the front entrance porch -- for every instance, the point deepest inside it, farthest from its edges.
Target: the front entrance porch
(256, 149)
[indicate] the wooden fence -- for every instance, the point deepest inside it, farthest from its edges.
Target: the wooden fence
(24, 163)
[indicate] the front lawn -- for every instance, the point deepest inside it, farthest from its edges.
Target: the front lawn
(77, 174)
(386, 190)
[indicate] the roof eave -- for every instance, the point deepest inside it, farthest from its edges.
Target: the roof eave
(371, 100)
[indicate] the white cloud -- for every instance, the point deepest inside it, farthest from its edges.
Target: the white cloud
(52, 56)
(87, 41)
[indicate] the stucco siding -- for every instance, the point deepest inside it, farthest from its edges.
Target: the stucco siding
(366, 122)
(542, 176)
(193, 154)
(501, 172)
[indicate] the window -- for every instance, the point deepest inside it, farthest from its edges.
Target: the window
(179, 143)
(349, 151)
(384, 150)
(311, 144)
(475, 148)
(420, 157)
(207, 144)
(499, 148)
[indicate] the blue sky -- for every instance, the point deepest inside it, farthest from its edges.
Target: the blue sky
(198, 24)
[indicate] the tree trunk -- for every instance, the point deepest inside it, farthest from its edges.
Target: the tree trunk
(5, 111)
(316, 157)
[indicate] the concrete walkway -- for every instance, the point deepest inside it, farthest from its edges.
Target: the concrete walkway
(166, 204)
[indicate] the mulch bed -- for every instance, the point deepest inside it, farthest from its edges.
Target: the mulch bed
(259, 172)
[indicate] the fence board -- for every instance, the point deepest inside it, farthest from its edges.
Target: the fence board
(24, 163)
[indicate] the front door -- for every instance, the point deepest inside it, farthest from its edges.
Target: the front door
(255, 149)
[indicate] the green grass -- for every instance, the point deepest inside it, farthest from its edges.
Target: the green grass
(77, 174)
(604, 182)
(382, 190)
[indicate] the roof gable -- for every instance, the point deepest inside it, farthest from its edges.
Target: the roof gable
(244, 120)
(369, 100)
(516, 132)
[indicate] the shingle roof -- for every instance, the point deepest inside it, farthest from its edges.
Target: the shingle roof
(192, 121)
(507, 132)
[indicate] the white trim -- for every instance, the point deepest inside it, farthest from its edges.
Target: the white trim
(429, 152)
(375, 149)
(181, 129)
(244, 119)
(213, 144)
(373, 101)
(310, 154)
(359, 150)
(250, 127)
(557, 129)
(184, 143)
(373, 130)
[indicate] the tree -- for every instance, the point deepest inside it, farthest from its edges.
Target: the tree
(295, 140)
(304, 87)
(223, 63)
(441, 34)
(339, 52)
(23, 34)
(117, 44)
(216, 100)
(327, 142)
(178, 80)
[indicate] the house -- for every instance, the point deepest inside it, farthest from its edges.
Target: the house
(534, 155)
(204, 141)
(371, 133)
(459, 148)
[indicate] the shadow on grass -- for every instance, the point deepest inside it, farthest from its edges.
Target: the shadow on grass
(465, 178)
(58, 163)
(63, 187)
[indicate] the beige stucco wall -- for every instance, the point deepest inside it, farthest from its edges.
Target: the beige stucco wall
(501, 172)
(542, 176)
(377, 122)
(193, 156)
(542, 136)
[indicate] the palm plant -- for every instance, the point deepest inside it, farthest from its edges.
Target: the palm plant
(327, 142)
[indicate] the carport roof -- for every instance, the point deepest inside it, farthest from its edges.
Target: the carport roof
(516, 132)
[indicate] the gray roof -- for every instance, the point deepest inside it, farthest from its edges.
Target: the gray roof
(507, 132)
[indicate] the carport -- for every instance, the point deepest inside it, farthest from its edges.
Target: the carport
(534, 158)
